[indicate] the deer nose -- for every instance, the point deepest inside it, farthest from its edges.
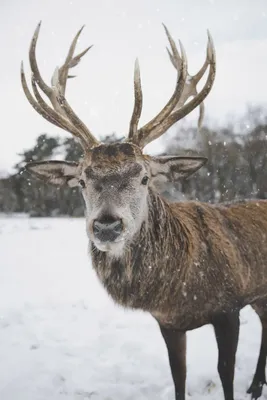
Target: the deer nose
(107, 229)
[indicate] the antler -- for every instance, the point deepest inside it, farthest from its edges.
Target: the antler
(176, 108)
(61, 114)
(190, 87)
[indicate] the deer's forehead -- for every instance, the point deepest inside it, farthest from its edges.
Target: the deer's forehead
(113, 159)
(116, 152)
(114, 172)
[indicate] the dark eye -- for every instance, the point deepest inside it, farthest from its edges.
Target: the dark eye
(82, 183)
(144, 180)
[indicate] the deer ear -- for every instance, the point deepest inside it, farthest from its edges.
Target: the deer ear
(58, 173)
(171, 168)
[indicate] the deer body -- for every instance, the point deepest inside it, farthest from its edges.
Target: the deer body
(211, 261)
(188, 264)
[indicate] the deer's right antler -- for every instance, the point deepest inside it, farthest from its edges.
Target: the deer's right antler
(61, 115)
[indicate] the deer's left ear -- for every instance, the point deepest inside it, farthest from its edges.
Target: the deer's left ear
(171, 168)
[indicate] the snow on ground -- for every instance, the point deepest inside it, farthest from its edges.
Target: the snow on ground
(61, 336)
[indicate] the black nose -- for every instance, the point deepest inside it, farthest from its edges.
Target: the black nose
(107, 229)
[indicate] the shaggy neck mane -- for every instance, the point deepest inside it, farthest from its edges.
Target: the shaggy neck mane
(137, 278)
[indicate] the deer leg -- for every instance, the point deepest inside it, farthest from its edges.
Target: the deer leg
(226, 328)
(259, 378)
(176, 345)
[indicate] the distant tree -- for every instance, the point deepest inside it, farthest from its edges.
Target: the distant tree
(236, 168)
(43, 149)
(73, 150)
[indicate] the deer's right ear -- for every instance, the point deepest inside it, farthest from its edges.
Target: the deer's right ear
(58, 173)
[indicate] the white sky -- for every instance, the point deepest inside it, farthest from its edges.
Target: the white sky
(121, 30)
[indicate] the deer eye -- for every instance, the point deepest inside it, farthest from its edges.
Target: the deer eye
(82, 183)
(144, 180)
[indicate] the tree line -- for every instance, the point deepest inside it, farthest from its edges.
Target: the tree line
(236, 169)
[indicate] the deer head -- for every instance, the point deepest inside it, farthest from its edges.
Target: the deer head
(116, 179)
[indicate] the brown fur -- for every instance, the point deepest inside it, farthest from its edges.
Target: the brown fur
(188, 264)
(191, 260)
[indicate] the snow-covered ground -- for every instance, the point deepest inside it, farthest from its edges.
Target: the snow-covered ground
(61, 337)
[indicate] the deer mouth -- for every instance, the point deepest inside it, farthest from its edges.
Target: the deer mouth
(114, 248)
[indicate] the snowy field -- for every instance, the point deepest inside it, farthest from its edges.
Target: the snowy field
(62, 338)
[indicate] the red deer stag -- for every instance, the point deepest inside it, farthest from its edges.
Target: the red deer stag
(188, 264)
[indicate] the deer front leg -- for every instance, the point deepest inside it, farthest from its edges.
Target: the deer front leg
(176, 345)
(226, 328)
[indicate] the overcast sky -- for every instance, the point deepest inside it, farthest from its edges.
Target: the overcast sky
(121, 30)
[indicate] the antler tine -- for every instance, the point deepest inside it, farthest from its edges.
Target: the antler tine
(191, 105)
(174, 56)
(185, 88)
(204, 67)
(180, 82)
(59, 119)
(174, 61)
(45, 110)
(38, 107)
(201, 115)
(61, 114)
(190, 88)
(72, 116)
(33, 63)
(70, 62)
(138, 101)
(59, 81)
(201, 72)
